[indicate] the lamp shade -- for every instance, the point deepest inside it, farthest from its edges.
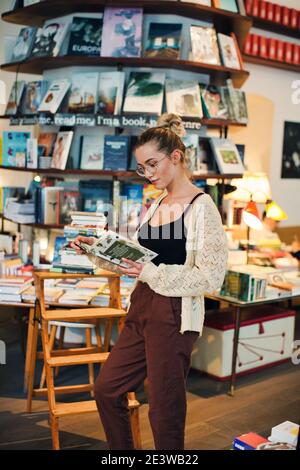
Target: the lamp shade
(253, 186)
(251, 216)
(274, 211)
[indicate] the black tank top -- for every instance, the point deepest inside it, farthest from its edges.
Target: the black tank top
(168, 240)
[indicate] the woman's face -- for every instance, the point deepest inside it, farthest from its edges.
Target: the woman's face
(160, 169)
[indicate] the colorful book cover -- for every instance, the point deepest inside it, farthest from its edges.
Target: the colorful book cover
(212, 102)
(191, 142)
(33, 96)
(15, 97)
(227, 156)
(85, 36)
(96, 195)
(183, 98)
(14, 144)
(236, 102)
(228, 51)
(116, 150)
(46, 141)
(144, 93)
(164, 40)
(131, 203)
(249, 441)
(24, 44)
(61, 150)
(68, 201)
(122, 32)
(110, 92)
(205, 45)
(91, 154)
(54, 96)
(83, 93)
(48, 40)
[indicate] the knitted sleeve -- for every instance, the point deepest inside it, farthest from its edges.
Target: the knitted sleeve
(207, 272)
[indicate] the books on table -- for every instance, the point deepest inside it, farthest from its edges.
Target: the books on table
(85, 36)
(15, 96)
(249, 441)
(228, 51)
(227, 156)
(110, 92)
(205, 45)
(183, 98)
(83, 94)
(11, 288)
(122, 32)
(109, 249)
(286, 432)
(54, 96)
(91, 152)
(49, 39)
(52, 294)
(144, 93)
(164, 40)
(75, 298)
(24, 43)
(61, 150)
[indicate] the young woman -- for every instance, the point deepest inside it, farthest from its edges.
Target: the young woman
(166, 309)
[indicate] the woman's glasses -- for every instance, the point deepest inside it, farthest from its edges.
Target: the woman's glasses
(150, 167)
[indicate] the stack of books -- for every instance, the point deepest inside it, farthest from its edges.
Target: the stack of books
(284, 436)
(20, 211)
(52, 294)
(12, 287)
(244, 286)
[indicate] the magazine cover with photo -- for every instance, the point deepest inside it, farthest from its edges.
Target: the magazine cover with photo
(83, 94)
(15, 98)
(145, 92)
(23, 45)
(34, 94)
(91, 154)
(227, 156)
(122, 32)
(191, 142)
(212, 102)
(164, 40)
(204, 45)
(49, 39)
(183, 98)
(54, 96)
(61, 150)
(236, 104)
(290, 167)
(228, 51)
(110, 92)
(85, 37)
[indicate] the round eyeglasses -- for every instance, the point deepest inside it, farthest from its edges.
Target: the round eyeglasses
(150, 167)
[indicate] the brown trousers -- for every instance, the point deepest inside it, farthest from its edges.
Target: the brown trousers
(150, 345)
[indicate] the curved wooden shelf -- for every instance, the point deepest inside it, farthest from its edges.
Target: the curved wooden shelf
(224, 21)
(275, 27)
(271, 63)
(37, 65)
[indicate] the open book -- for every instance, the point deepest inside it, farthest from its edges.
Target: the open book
(109, 249)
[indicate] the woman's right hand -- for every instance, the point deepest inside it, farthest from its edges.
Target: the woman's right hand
(80, 239)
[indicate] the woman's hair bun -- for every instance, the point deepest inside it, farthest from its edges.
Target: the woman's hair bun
(173, 122)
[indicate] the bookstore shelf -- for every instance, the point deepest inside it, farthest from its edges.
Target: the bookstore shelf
(275, 27)
(36, 14)
(38, 65)
(271, 63)
(128, 174)
(34, 225)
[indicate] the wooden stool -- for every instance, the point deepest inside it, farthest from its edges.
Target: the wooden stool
(66, 357)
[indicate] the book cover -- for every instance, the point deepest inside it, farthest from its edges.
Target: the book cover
(212, 102)
(227, 156)
(183, 98)
(191, 142)
(144, 92)
(46, 141)
(48, 40)
(32, 153)
(110, 92)
(164, 40)
(85, 36)
(83, 94)
(249, 441)
(236, 104)
(96, 195)
(24, 43)
(15, 97)
(54, 96)
(228, 51)
(131, 204)
(33, 96)
(68, 201)
(116, 151)
(205, 45)
(122, 32)
(91, 154)
(50, 204)
(61, 150)
(14, 143)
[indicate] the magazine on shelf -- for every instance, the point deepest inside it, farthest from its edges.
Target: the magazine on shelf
(227, 156)
(49, 39)
(109, 249)
(83, 94)
(85, 36)
(145, 93)
(33, 96)
(229, 54)
(212, 102)
(191, 142)
(110, 92)
(236, 104)
(164, 40)
(91, 152)
(15, 96)
(205, 45)
(122, 32)
(13, 146)
(24, 43)
(183, 98)
(61, 150)
(46, 141)
(54, 96)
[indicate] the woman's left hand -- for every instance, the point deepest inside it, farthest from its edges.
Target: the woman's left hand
(133, 270)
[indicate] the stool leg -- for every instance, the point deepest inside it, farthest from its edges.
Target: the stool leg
(60, 344)
(32, 364)
(51, 347)
(29, 346)
(88, 335)
(54, 432)
(135, 428)
(98, 335)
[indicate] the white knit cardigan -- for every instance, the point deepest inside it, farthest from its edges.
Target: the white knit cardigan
(204, 267)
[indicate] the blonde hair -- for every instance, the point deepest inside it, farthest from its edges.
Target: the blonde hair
(168, 136)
